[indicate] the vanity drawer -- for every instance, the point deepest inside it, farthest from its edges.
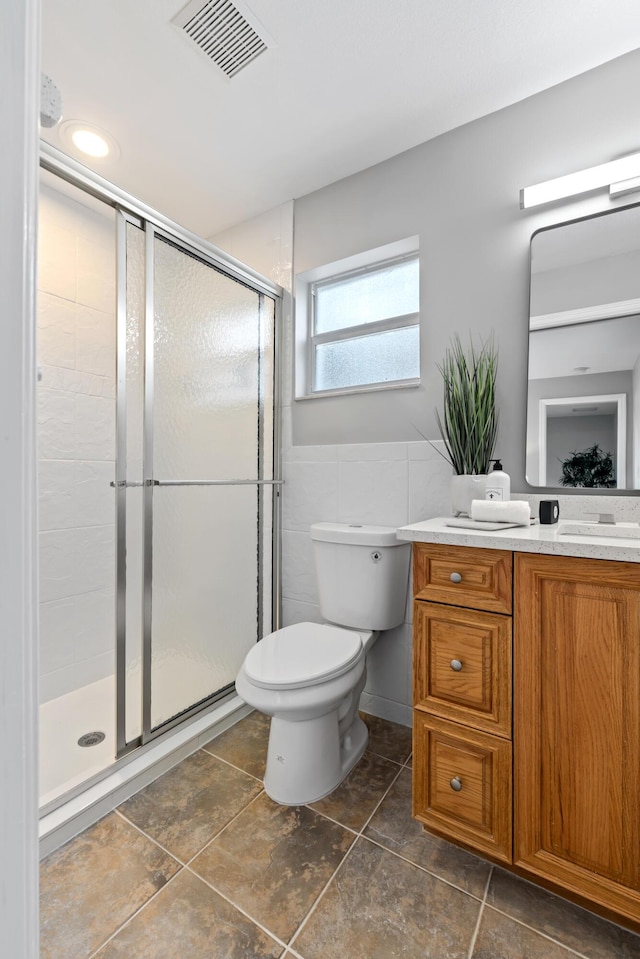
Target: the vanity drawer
(462, 784)
(462, 666)
(477, 578)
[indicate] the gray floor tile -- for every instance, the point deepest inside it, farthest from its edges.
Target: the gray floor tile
(187, 806)
(245, 744)
(388, 739)
(378, 906)
(576, 928)
(501, 938)
(94, 883)
(355, 799)
(190, 920)
(273, 861)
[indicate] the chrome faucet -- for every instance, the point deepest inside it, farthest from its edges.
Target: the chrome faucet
(605, 518)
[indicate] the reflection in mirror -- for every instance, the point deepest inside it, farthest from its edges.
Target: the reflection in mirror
(583, 401)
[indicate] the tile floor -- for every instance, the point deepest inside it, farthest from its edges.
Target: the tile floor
(201, 864)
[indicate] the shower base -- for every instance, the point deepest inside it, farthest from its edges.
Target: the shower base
(63, 763)
(79, 785)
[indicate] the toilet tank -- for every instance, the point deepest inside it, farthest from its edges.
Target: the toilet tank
(362, 574)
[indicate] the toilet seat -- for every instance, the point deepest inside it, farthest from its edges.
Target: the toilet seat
(305, 654)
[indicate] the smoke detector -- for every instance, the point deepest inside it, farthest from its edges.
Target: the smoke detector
(227, 33)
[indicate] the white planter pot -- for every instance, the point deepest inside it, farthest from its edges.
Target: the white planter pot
(465, 488)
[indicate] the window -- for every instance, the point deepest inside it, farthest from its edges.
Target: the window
(362, 325)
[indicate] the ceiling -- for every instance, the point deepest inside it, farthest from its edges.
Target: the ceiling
(348, 84)
(606, 346)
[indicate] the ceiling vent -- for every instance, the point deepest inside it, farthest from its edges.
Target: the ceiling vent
(227, 33)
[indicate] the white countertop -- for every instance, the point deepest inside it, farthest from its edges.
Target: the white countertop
(524, 539)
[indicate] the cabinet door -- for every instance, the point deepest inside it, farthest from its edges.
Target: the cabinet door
(577, 726)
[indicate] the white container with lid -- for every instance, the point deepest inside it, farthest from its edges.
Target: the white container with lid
(498, 484)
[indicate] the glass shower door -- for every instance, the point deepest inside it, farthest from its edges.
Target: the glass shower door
(208, 458)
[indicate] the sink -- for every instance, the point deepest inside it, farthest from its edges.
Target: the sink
(612, 530)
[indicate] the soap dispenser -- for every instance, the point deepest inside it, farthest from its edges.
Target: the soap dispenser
(498, 483)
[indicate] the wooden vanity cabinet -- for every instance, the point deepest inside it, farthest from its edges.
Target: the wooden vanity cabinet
(577, 727)
(570, 816)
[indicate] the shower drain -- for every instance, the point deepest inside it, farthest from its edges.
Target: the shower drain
(91, 739)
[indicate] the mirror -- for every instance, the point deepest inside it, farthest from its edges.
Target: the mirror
(583, 400)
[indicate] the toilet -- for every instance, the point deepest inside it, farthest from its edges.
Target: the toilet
(309, 677)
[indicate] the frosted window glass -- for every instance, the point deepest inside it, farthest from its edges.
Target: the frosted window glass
(376, 358)
(390, 291)
(205, 592)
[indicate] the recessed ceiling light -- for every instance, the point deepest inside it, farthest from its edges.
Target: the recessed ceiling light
(90, 143)
(89, 140)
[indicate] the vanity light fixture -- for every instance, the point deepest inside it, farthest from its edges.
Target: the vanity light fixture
(621, 176)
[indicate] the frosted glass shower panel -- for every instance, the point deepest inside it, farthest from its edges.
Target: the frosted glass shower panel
(134, 613)
(205, 592)
(206, 370)
(131, 405)
(135, 351)
(266, 399)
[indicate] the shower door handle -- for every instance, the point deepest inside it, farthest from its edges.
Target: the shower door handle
(230, 482)
(124, 484)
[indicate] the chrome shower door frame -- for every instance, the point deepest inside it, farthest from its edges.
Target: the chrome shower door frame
(130, 210)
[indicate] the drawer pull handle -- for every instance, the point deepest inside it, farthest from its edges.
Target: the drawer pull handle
(456, 784)
(456, 665)
(456, 577)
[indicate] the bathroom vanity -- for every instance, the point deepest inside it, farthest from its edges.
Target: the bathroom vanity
(526, 679)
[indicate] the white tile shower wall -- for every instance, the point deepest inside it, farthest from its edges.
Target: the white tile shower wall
(265, 243)
(76, 443)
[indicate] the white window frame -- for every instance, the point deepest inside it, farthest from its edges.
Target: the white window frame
(307, 339)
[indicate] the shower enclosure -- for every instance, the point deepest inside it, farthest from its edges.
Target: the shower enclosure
(158, 474)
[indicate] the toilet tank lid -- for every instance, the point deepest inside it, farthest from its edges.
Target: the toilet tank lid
(356, 534)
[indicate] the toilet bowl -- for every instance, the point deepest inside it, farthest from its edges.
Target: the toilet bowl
(309, 677)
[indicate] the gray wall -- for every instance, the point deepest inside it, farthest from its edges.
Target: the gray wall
(635, 417)
(459, 193)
